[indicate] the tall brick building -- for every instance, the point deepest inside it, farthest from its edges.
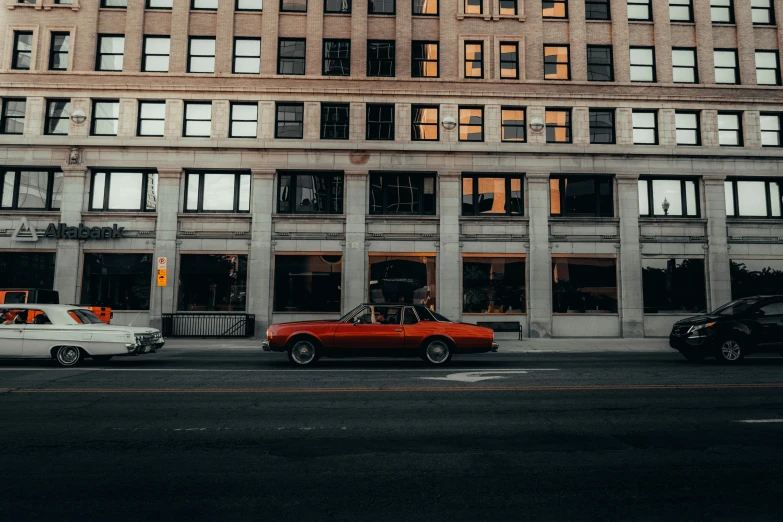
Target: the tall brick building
(584, 168)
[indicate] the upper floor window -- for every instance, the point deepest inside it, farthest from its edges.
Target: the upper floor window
(289, 121)
(556, 64)
(555, 9)
(114, 3)
(22, 189)
(580, 195)
(402, 193)
(152, 118)
(198, 120)
(687, 131)
(58, 51)
(217, 192)
(425, 59)
(471, 124)
(385, 7)
(684, 68)
(291, 56)
(247, 56)
(244, 120)
(601, 125)
(767, 68)
(250, 5)
(599, 63)
(770, 130)
(155, 54)
(722, 11)
(726, 66)
(681, 11)
(380, 121)
(22, 56)
(512, 124)
(337, 6)
(753, 198)
(597, 10)
(763, 12)
(159, 4)
(335, 121)
(105, 117)
(337, 58)
(642, 64)
(12, 119)
(486, 195)
(730, 129)
(474, 59)
(508, 7)
(380, 58)
(111, 49)
(645, 127)
(474, 6)
(677, 197)
(296, 6)
(509, 61)
(201, 54)
(425, 7)
(124, 190)
(558, 125)
(310, 193)
(58, 114)
(424, 123)
(639, 10)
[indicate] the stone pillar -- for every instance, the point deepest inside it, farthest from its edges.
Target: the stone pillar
(578, 37)
(163, 299)
(314, 38)
(539, 259)
(580, 126)
(134, 37)
(631, 301)
(702, 16)
(667, 128)
(621, 57)
(259, 270)
(355, 255)
(34, 116)
(751, 129)
(623, 125)
(746, 43)
(67, 272)
(663, 43)
(448, 262)
(224, 44)
(717, 241)
(180, 23)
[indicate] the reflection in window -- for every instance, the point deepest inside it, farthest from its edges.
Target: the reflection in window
(584, 285)
(425, 7)
(425, 60)
(512, 124)
(474, 6)
(578, 195)
(471, 124)
(668, 197)
(217, 192)
(601, 126)
(400, 193)
(558, 126)
(509, 61)
(58, 51)
(380, 122)
(334, 121)
(337, 58)
(751, 277)
(554, 9)
(381, 7)
(22, 54)
(597, 10)
(120, 190)
(13, 116)
(291, 56)
(105, 118)
(310, 193)
(493, 285)
(296, 6)
(27, 270)
(599, 63)
(34, 190)
(673, 285)
(485, 195)
(111, 50)
(308, 283)
(474, 59)
(380, 58)
(119, 281)
(556, 65)
(212, 282)
(507, 7)
(403, 279)
(745, 198)
(58, 114)
(289, 122)
(424, 122)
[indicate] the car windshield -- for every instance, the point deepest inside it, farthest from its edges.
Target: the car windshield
(85, 317)
(735, 307)
(349, 314)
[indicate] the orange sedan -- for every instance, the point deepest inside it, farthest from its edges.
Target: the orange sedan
(379, 330)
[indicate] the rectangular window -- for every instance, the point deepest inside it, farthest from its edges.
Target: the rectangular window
(474, 7)
(758, 198)
(425, 7)
(119, 281)
(597, 10)
(424, 123)
(601, 126)
(25, 189)
(639, 10)
(393, 193)
(770, 130)
(424, 60)
(12, 120)
(198, 120)
(751, 277)
(124, 191)
(767, 68)
(217, 192)
(730, 129)
(642, 64)
(726, 66)
(111, 49)
(247, 56)
(250, 5)
(556, 62)
(380, 121)
(289, 121)
(660, 197)
(201, 55)
(155, 55)
(159, 4)
(509, 61)
(687, 128)
(645, 127)
(681, 11)
(584, 285)
(576, 195)
(59, 47)
(244, 120)
(291, 56)
(105, 117)
(674, 285)
(471, 124)
(337, 6)
(27, 270)
(492, 195)
(22, 56)
(557, 9)
(212, 282)
(508, 7)
(512, 124)
(493, 285)
(337, 58)
(474, 59)
(684, 69)
(402, 279)
(308, 283)
(58, 114)
(722, 11)
(310, 192)
(599, 63)
(114, 3)
(558, 125)
(335, 121)
(382, 7)
(152, 118)
(380, 58)
(293, 6)
(763, 12)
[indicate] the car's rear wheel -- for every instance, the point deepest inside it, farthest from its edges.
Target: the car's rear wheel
(731, 351)
(302, 352)
(102, 358)
(437, 352)
(67, 356)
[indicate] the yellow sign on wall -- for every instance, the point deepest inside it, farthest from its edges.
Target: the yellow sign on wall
(162, 277)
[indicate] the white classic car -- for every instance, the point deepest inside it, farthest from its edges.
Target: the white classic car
(68, 334)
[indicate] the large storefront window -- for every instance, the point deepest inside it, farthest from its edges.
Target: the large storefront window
(756, 277)
(402, 193)
(31, 189)
(120, 281)
(673, 285)
(486, 195)
(493, 285)
(310, 283)
(403, 279)
(27, 270)
(124, 190)
(584, 285)
(310, 193)
(668, 197)
(583, 196)
(217, 192)
(212, 282)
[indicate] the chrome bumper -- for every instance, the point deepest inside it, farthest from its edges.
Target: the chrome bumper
(265, 346)
(138, 349)
(495, 347)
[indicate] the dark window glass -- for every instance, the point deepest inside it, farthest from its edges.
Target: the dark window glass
(599, 63)
(492, 195)
(577, 195)
(512, 124)
(291, 56)
(58, 51)
(12, 118)
(380, 121)
(751, 277)
(554, 9)
(508, 7)
(668, 197)
(674, 285)
(509, 61)
(558, 126)
(385, 7)
(337, 58)
(753, 198)
(296, 6)
(27, 270)
(681, 10)
(402, 193)
(474, 59)
(310, 193)
(601, 126)
(30, 189)
(403, 279)
(124, 190)
(111, 49)
(335, 121)
(380, 58)
(217, 192)
(471, 124)
(597, 10)
(493, 285)
(289, 122)
(58, 114)
(155, 55)
(310, 283)
(556, 63)
(337, 6)
(105, 117)
(23, 50)
(424, 123)
(425, 7)
(119, 281)
(212, 282)
(424, 60)
(584, 285)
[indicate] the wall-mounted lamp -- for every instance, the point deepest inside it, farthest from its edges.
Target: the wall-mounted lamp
(449, 123)
(78, 117)
(536, 124)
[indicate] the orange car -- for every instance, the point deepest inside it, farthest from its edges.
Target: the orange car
(379, 330)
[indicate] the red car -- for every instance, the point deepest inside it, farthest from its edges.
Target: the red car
(379, 330)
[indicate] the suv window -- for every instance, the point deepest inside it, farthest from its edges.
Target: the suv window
(15, 297)
(772, 309)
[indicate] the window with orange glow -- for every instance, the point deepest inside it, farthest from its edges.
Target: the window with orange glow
(492, 195)
(512, 124)
(424, 123)
(425, 59)
(555, 9)
(558, 126)
(474, 6)
(474, 59)
(556, 64)
(509, 61)
(471, 124)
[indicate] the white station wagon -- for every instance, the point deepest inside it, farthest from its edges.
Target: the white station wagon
(68, 334)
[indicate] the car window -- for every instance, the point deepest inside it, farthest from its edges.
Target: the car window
(39, 317)
(85, 316)
(409, 317)
(387, 314)
(15, 297)
(735, 307)
(8, 316)
(772, 309)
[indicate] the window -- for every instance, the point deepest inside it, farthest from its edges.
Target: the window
(726, 68)
(394, 193)
(124, 190)
(424, 60)
(597, 10)
(58, 114)
(684, 65)
(380, 58)
(474, 7)
(758, 198)
(212, 282)
(601, 126)
(380, 121)
(730, 129)
(24, 189)
(27, 270)
(198, 120)
(512, 124)
(681, 11)
(206, 5)
(59, 46)
(310, 193)
(639, 10)
(770, 130)
(159, 4)
(642, 64)
(155, 56)
(581, 196)
(337, 58)
(105, 117)
(249, 5)
(335, 121)
(471, 124)
(556, 63)
(309, 283)
(425, 7)
(493, 285)
(111, 50)
(750, 277)
(289, 121)
(762, 11)
(247, 56)
(722, 11)
(584, 285)
(201, 55)
(114, 3)
(558, 125)
(509, 61)
(767, 68)
(660, 197)
(337, 6)
(492, 195)
(674, 285)
(12, 120)
(645, 127)
(296, 6)
(152, 118)
(424, 123)
(291, 56)
(384, 7)
(22, 56)
(508, 7)
(119, 281)
(402, 279)
(244, 120)
(555, 9)
(474, 59)
(217, 192)
(599, 63)
(687, 128)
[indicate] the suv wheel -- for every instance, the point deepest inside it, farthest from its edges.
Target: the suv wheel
(731, 351)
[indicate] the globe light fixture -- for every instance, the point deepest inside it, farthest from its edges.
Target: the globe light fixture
(449, 123)
(665, 206)
(78, 117)
(536, 124)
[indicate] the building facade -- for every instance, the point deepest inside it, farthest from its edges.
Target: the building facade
(584, 168)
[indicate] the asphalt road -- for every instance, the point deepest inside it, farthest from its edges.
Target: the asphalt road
(235, 435)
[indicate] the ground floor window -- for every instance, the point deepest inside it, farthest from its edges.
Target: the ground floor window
(494, 285)
(308, 283)
(119, 281)
(673, 285)
(756, 277)
(584, 285)
(403, 279)
(212, 282)
(27, 270)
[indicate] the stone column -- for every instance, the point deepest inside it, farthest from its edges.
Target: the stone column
(631, 301)
(448, 262)
(539, 259)
(704, 44)
(180, 23)
(224, 44)
(717, 241)
(667, 128)
(259, 269)
(67, 272)
(580, 126)
(663, 43)
(163, 299)
(623, 125)
(578, 36)
(134, 36)
(621, 57)
(355, 255)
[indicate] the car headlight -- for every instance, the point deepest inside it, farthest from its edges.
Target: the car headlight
(699, 327)
(269, 334)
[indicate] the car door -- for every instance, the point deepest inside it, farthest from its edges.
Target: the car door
(415, 329)
(769, 318)
(11, 335)
(40, 334)
(377, 327)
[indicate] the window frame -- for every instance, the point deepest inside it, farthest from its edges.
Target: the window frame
(569, 126)
(501, 61)
(523, 126)
(775, 53)
(374, 13)
(459, 123)
(234, 55)
(231, 120)
(283, 10)
(683, 197)
(565, 10)
(474, 177)
(139, 119)
(242, 10)
(190, 56)
(652, 66)
(278, 106)
(779, 130)
(415, 61)
(200, 199)
(107, 190)
(654, 112)
(367, 121)
(770, 11)
(99, 54)
(603, 110)
(436, 13)
(465, 60)
(393, 59)
(697, 129)
(52, 52)
(94, 118)
(567, 63)
(330, 12)
(736, 68)
(15, 52)
(419, 176)
(739, 130)
(185, 119)
(561, 179)
(732, 17)
(611, 61)
(145, 54)
(690, 19)
(326, 106)
(339, 41)
(607, 3)
(150, 7)
(280, 58)
(735, 199)
(331, 174)
(104, 5)
(702, 287)
(648, 4)
(51, 171)
(414, 108)
(48, 118)
(4, 116)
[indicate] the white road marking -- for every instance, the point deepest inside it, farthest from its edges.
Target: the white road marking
(760, 421)
(215, 370)
(476, 376)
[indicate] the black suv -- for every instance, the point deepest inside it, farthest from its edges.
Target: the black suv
(748, 325)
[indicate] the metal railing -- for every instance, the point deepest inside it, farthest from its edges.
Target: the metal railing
(208, 325)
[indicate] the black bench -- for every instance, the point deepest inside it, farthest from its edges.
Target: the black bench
(503, 326)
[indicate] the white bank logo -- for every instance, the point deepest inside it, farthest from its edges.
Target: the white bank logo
(24, 232)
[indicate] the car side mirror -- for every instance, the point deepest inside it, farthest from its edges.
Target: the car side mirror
(357, 320)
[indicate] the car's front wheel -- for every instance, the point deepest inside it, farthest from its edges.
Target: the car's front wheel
(437, 352)
(67, 356)
(731, 351)
(302, 352)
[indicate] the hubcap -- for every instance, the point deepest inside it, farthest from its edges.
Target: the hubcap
(303, 352)
(68, 355)
(437, 352)
(730, 350)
